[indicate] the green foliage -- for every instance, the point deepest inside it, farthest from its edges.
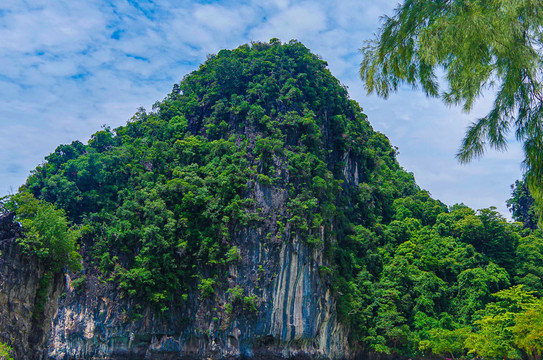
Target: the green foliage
(5, 352)
(228, 308)
(239, 301)
(479, 44)
(79, 284)
(233, 255)
(528, 330)
(206, 287)
(446, 342)
(529, 269)
(249, 303)
(164, 198)
(46, 232)
(521, 204)
(42, 292)
(510, 327)
(417, 285)
(494, 337)
(236, 293)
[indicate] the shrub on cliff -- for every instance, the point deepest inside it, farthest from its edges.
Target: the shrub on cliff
(46, 232)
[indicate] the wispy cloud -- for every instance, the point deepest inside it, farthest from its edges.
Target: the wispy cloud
(67, 67)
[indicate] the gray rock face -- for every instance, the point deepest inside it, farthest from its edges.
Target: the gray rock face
(22, 325)
(294, 317)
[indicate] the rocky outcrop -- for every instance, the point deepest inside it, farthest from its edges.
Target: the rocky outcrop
(295, 309)
(23, 325)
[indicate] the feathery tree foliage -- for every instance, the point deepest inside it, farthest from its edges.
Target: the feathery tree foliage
(480, 44)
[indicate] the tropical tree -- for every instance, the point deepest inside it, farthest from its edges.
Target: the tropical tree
(528, 331)
(497, 335)
(521, 205)
(480, 44)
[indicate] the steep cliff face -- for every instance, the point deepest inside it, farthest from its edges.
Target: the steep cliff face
(295, 316)
(24, 325)
(294, 313)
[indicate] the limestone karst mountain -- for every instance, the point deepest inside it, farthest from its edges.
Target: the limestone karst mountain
(253, 212)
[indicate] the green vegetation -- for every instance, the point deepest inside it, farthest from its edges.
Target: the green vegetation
(480, 44)
(4, 352)
(164, 204)
(42, 292)
(233, 255)
(206, 288)
(240, 302)
(46, 232)
(522, 205)
(79, 284)
(510, 327)
(249, 303)
(419, 286)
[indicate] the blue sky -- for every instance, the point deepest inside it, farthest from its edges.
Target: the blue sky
(69, 67)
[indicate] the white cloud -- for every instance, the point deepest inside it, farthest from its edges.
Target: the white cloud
(223, 19)
(361, 14)
(68, 25)
(295, 22)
